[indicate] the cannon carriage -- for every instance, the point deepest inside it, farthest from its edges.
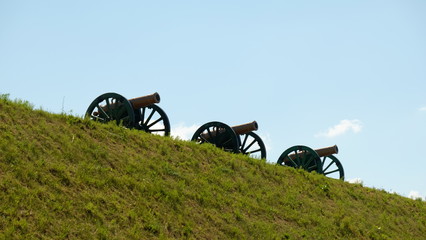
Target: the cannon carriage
(141, 113)
(236, 139)
(320, 160)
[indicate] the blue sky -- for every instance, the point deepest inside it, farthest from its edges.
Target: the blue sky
(314, 73)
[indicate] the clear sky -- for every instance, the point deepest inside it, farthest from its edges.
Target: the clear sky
(314, 73)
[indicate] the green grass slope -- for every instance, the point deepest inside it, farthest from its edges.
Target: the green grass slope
(62, 177)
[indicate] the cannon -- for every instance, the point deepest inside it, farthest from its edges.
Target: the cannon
(320, 160)
(140, 113)
(236, 139)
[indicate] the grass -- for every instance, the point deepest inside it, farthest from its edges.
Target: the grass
(63, 177)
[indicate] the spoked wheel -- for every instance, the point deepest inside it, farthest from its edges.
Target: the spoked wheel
(332, 167)
(301, 157)
(152, 119)
(252, 144)
(219, 134)
(112, 107)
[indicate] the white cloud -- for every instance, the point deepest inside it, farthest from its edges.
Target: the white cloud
(416, 195)
(344, 126)
(184, 132)
(422, 109)
(356, 181)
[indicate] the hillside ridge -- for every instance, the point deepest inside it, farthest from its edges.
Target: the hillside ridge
(63, 177)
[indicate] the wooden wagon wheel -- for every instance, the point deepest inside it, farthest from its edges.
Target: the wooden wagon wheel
(112, 107)
(332, 167)
(301, 157)
(252, 144)
(218, 134)
(152, 119)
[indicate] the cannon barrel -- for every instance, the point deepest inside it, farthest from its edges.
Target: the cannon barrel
(144, 101)
(245, 128)
(239, 129)
(327, 151)
(322, 152)
(136, 103)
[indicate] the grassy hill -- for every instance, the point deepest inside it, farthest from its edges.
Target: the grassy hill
(63, 177)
